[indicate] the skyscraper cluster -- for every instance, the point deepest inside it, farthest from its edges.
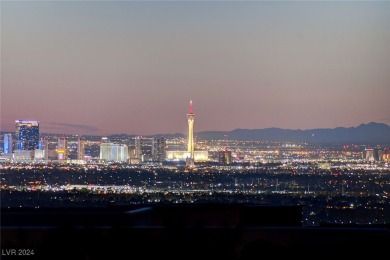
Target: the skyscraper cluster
(28, 145)
(374, 155)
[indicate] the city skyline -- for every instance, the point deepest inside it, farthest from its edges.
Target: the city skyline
(131, 67)
(184, 133)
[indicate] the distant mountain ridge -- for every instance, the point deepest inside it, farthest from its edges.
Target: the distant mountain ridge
(371, 133)
(365, 133)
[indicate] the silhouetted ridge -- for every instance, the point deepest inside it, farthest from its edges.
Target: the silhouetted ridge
(364, 133)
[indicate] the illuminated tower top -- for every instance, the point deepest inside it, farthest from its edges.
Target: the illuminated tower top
(191, 107)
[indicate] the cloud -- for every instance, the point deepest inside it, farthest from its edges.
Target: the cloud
(64, 127)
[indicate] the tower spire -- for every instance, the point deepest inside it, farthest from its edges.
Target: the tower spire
(191, 140)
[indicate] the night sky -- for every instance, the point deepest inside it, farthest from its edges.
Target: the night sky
(132, 67)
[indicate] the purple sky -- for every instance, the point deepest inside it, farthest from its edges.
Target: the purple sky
(132, 67)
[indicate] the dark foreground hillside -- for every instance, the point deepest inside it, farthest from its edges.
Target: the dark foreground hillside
(194, 231)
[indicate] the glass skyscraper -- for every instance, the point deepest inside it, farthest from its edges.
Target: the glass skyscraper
(7, 143)
(27, 134)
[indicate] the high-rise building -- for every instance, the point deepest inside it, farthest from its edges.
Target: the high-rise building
(27, 134)
(62, 148)
(44, 145)
(191, 142)
(158, 149)
(7, 143)
(386, 155)
(371, 155)
(114, 152)
(39, 154)
(80, 148)
(380, 154)
(225, 157)
(138, 148)
(105, 151)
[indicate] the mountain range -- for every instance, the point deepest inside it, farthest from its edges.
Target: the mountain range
(371, 133)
